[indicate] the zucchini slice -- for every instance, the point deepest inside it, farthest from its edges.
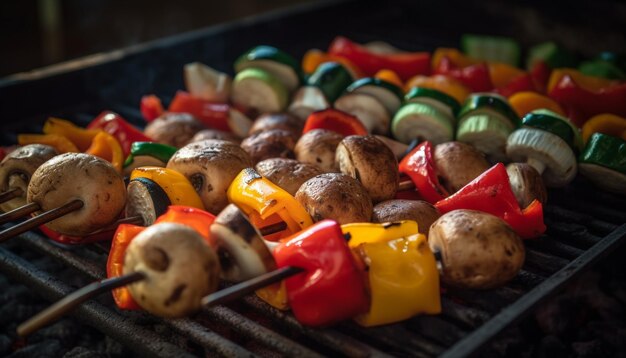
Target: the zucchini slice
(554, 123)
(492, 101)
(487, 131)
(278, 63)
(435, 98)
(387, 93)
(146, 199)
(424, 122)
(604, 162)
(492, 48)
(332, 78)
(257, 89)
(367, 109)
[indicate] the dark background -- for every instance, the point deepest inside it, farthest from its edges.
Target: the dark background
(35, 33)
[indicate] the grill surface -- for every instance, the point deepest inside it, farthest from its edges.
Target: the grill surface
(584, 225)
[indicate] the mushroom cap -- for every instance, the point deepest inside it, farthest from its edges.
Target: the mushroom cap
(478, 250)
(422, 212)
(240, 246)
(180, 269)
(210, 165)
(214, 134)
(370, 161)
(457, 164)
(17, 168)
(335, 196)
(273, 143)
(526, 183)
(318, 147)
(284, 121)
(536, 145)
(289, 174)
(175, 129)
(85, 177)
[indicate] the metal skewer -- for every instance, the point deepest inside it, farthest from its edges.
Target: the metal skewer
(19, 213)
(43, 218)
(10, 194)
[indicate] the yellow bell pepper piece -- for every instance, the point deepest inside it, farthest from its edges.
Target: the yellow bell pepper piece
(314, 57)
(58, 142)
(589, 83)
(177, 187)
(605, 123)
(501, 73)
(81, 137)
(389, 76)
(457, 57)
(527, 101)
(275, 295)
(108, 148)
(262, 200)
(361, 233)
(403, 280)
(445, 84)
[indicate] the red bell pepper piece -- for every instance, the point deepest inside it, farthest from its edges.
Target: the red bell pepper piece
(332, 286)
(540, 73)
(195, 218)
(213, 115)
(419, 165)
(335, 120)
(405, 64)
(118, 127)
(124, 234)
(151, 107)
(583, 104)
(521, 83)
(476, 76)
(491, 193)
(75, 240)
(3, 153)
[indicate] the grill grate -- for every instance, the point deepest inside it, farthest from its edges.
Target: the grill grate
(583, 224)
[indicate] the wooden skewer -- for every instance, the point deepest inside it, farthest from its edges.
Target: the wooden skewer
(19, 213)
(41, 219)
(74, 299)
(406, 185)
(10, 194)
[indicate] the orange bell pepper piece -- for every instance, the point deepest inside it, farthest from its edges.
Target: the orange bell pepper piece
(389, 76)
(60, 143)
(605, 123)
(526, 102)
(445, 84)
(81, 137)
(108, 148)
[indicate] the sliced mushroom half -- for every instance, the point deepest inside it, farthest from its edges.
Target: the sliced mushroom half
(318, 147)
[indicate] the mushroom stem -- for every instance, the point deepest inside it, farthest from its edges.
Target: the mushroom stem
(537, 164)
(45, 217)
(249, 286)
(71, 301)
(10, 194)
(19, 213)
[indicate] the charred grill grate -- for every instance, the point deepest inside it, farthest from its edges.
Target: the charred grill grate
(583, 224)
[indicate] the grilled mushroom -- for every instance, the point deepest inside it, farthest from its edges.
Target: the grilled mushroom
(17, 168)
(318, 147)
(274, 143)
(478, 250)
(526, 183)
(180, 268)
(335, 196)
(284, 121)
(371, 162)
(240, 247)
(175, 129)
(214, 134)
(419, 211)
(210, 166)
(80, 176)
(458, 164)
(288, 174)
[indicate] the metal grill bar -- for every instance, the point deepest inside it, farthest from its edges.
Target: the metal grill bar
(518, 310)
(141, 340)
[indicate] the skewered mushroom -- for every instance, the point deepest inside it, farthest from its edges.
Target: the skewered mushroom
(371, 162)
(288, 174)
(213, 134)
(422, 212)
(526, 183)
(335, 196)
(240, 247)
(282, 121)
(84, 177)
(458, 164)
(179, 273)
(16, 170)
(274, 143)
(318, 147)
(478, 250)
(210, 166)
(175, 129)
